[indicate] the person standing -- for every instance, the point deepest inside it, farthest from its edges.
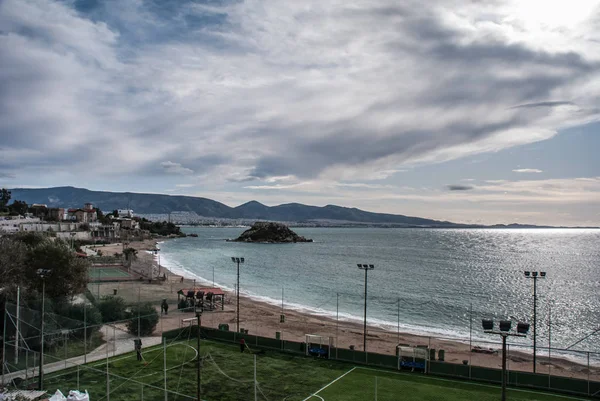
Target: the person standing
(138, 348)
(242, 344)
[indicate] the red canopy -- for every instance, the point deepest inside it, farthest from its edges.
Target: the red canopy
(214, 290)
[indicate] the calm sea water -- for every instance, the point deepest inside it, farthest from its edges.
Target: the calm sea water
(437, 276)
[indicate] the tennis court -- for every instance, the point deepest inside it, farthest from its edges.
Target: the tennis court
(361, 383)
(103, 273)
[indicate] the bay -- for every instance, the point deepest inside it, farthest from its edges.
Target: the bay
(442, 279)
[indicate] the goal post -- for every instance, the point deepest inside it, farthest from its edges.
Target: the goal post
(319, 346)
(414, 358)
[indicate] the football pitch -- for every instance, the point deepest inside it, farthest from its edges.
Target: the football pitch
(228, 374)
(361, 383)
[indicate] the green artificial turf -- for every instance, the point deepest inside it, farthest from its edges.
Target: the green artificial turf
(227, 374)
(369, 384)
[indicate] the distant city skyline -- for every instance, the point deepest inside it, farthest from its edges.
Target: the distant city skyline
(456, 111)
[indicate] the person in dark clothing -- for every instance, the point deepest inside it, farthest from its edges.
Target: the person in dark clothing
(138, 348)
(242, 345)
(164, 307)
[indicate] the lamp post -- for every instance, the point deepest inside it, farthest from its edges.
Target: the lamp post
(42, 273)
(504, 332)
(534, 276)
(238, 261)
(199, 361)
(366, 268)
(157, 253)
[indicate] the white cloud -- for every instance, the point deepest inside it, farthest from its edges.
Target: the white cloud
(175, 168)
(305, 97)
(277, 89)
(527, 170)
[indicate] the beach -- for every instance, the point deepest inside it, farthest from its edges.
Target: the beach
(263, 319)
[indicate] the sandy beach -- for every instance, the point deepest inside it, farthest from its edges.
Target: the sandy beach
(263, 319)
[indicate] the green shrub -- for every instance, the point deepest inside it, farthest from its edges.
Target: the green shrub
(147, 322)
(112, 308)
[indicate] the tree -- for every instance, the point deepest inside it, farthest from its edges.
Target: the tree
(130, 254)
(147, 321)
(13, 257)
(4, 197)
(68, 274)
(112, 308)
(18, 208)
(76, 316)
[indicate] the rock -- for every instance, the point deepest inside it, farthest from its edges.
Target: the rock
(272, 233)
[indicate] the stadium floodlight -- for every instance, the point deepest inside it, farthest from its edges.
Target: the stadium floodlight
(505, 331)
(238, 261)
(366, 267)
(505, 325)
(522, 328)
(534, 276)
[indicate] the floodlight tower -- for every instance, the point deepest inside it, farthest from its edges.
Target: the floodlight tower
(534, 276)
(42, 273)
(504, 326)
(238, 261)
(366, 268)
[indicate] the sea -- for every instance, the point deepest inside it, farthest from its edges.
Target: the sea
(435, 282)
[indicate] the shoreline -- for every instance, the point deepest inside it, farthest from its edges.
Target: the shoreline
(262, 318)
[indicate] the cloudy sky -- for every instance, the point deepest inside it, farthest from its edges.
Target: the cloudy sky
(480, 112)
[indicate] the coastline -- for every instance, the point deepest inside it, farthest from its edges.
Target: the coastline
(262, 318)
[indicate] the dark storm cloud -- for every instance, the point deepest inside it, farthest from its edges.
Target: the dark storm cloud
(543, 104)
(460, 187)
(246, 92)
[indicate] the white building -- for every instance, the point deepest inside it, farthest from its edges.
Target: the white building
(125, 213)
(13, 224)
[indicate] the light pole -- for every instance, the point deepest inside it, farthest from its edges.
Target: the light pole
(534, 276)
(199, 361)
(238, 261)
(366, 268)
(157, 253)
(43, 273)
(505, 326)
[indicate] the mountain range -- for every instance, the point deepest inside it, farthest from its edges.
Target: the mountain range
(140, 203)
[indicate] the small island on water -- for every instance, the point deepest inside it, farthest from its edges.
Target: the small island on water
(270, 233)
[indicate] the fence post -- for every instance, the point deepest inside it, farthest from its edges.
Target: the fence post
(588, 370)
(4, 345)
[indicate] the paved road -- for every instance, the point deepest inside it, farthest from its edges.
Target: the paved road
(118, 342)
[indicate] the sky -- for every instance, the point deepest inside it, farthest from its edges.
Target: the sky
(475, 112)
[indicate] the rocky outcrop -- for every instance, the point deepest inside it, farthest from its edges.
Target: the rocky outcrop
(271, 233)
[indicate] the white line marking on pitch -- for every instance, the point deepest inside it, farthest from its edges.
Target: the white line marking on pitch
(327, 385)
(476, 384)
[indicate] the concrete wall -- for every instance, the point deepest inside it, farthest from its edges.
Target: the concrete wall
(56, 227)
(82, 235)
(12, 225)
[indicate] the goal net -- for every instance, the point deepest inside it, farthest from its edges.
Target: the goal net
(318, 345)
(413, 358)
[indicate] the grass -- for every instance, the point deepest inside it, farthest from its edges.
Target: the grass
(364, 383)
(227, 374)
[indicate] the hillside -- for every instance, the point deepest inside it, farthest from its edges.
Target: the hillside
(157, 203)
